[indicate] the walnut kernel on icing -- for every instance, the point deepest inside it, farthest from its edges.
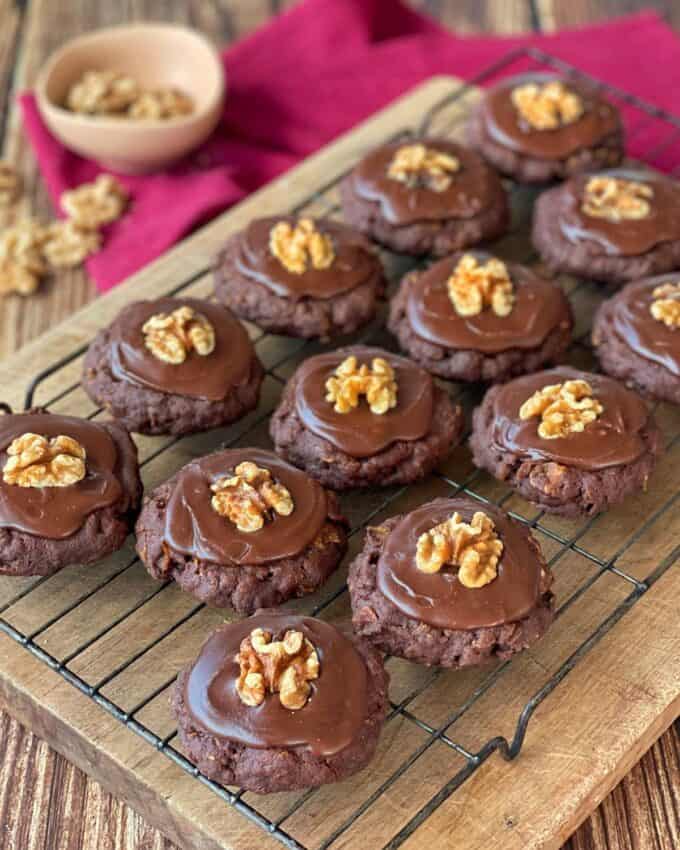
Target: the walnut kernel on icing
(474, 286)
(67, 245)
(296, 247)
(171, 337)
(616, 199)
(350, 381)
(285, 667)
(92, 205)
(250, 497)
(121, 96)
(666, 304)
(418, 165)
(473, 547)
(547, 106)
(36, 461)
(564, 408)
(10, 184)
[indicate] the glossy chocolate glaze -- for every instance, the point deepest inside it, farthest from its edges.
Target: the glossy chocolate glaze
(329, 721)
(505, 125)
(353, 265)
(58, 512)
(194, 528)
(539, 308)
(439, 599)
(623, 238)
(474, 188)
(612, 439)
(361, 433)
(210, 377)
(647, 336)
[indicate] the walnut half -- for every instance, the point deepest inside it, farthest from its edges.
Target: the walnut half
(36, 461)
(171, 337)
(564, 408)
(92, 205)
(284, 666)
(350, 381)
(420, 166)
(473, 547)
(250, 497)
(547, 106)
(474, 286)
(298, 247)
(666, 304)
(616, 200)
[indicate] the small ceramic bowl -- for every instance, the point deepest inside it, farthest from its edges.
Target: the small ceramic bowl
(156, 55)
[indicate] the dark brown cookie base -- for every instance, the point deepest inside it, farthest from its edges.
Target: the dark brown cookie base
(265, 771)
(466, 364)
(555, 488)
(376, 619)
(400, 463)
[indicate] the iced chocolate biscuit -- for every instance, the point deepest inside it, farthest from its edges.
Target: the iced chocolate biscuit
(173, 366)
(280, 702)
(472, 317)
(453, 583)
(427, 196)
(301, 277)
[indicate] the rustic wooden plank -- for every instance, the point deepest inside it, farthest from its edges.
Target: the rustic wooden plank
(554, 14)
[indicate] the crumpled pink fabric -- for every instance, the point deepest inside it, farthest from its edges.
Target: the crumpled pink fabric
(313, 73)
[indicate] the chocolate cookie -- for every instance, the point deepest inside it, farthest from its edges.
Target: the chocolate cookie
(537, 127)
(613, 226)
(280, 702)
(471, 317)
(570, 442)
(453, 583)
(242, 528)
(637, 336)
(69, 491)
(362, 417)
(301, 278)
(428, 196)
(173, 366)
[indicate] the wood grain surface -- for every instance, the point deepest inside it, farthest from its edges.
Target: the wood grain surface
(44, 801)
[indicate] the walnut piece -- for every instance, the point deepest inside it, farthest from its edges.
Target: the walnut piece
(102, 93)
(250, 497)
(616, 199)
(564, 408)
(92, 205)
(296, 247)
(283, 666)
(350, 381)
(474, 286)
(473, 547)
(36, 461)
(171, 337)
(160, 104)
(547, 106)
(67, 245)
(10, 184)
(666, 304)
(420, 166)
(22, 263)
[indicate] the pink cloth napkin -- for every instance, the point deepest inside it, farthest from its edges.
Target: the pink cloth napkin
(314, 72)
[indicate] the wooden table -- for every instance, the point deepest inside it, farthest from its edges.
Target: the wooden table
(44, 801)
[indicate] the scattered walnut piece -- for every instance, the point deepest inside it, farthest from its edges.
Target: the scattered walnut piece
(297, 247)
(616, 199)
(473, 547)
(10, 184)
(16, 279)
(102, 93)
(92, 205)
(547, 106)
(171, 337)
(36, 461)
(564, 408)
(67, 245)
(22, 263)
(417, 165)
(666, 304)
(350, 381)
(161, 104)
(283, 666)
(250, 497)
(474, 286)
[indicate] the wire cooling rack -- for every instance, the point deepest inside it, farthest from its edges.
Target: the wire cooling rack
(605, 548)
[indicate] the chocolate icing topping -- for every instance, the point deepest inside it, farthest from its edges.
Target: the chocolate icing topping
(194, 528)
(612, 439)
(474, 187)
(504, 123)
(628, 237)
(353, 265)
(647, 336)
(329, 721)
(539, 308)
(209, 377)
(439, 599)
(361, 433)
(58, 512)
